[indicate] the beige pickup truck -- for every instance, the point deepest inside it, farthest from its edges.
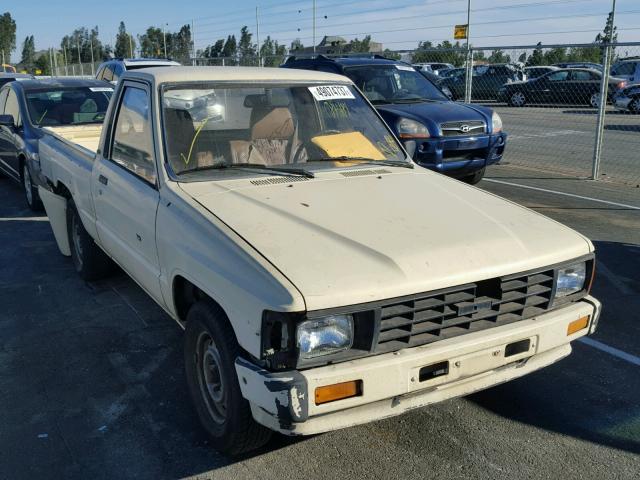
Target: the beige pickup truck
(322, 278)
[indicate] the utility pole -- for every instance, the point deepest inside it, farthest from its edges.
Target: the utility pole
(314, 26)
(164, 38)
(93, 71)
(469, 72)
(258, 37)
(64, 52)
(55, 62)
(79, 56)
(193, 44)
(602, 103)
(130, 45)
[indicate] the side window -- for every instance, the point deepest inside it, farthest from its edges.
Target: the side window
(3, 99)
(12, 108)
(108, 73)
(558, 76)
(581, 75)
(100, 73)
(132, 146)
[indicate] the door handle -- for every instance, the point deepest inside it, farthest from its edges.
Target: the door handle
(103, 180)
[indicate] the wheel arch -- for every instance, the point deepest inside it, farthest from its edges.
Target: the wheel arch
(185, 293)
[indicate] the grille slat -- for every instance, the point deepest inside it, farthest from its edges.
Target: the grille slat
(456, 129)
(468, 308)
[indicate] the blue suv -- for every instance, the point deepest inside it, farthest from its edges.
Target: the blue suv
(459, 140)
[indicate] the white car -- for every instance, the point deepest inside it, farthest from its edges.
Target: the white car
(322, 278)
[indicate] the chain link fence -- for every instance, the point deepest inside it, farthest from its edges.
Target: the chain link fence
(549, 98)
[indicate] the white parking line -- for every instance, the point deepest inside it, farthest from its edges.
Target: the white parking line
(24, 219)
(610, 350)
(573, 195)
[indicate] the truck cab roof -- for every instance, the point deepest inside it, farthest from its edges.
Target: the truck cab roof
(234, 74)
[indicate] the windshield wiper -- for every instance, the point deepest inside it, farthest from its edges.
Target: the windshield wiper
(370, 161)
(254, 166)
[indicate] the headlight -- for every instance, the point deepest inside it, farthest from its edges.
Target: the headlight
(571, 279)
(496, 123)
(324, 336)
(408, 129)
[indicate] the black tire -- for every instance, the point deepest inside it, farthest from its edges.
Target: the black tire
(210, 340)
(634, 105)
(517, 99)
(89, 260)
(474, 177)
(30, 191)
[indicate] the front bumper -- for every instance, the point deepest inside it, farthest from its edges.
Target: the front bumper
(621, 102)
(457, 156)
(390, 383)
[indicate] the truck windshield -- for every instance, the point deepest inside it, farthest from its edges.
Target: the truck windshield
(393, 84)
(209, 127)
(68, 106)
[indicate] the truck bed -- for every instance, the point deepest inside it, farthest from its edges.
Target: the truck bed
(87, 136)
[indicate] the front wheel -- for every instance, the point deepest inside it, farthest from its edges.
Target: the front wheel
(517, 99)
(89, 260)
(634, 106)
(594, 100)
(30, 191)
(475, 177)
(210, 352)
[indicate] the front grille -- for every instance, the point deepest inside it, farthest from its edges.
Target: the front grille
(469, 308)
(456, 129)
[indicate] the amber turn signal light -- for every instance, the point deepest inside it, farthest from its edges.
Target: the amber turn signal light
(577, 325)
(338, 391)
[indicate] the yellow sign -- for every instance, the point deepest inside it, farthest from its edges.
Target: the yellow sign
(460, 32)
(38, 71)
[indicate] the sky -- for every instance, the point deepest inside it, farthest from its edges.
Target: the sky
(400, 24)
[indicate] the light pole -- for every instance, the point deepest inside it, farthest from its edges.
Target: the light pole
(314, 26)
(164, 38)
(79, 56)
(469, 74)
(93, 65)
(602, 102)
(258, 37)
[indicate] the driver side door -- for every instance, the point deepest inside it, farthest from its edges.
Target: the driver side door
(8, 152)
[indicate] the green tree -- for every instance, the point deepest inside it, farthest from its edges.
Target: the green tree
(230, 50)
(359, 46)
(152, 43)
(498, 56)
(43, 63)
(179, 46)
(28, 54)
(125, 44)
(7, 35)
(215, 50)
(296, 45)
(445, 52)
(537, 57)
(246, 49)
(391, 54)
(81, 42)
(555, 55)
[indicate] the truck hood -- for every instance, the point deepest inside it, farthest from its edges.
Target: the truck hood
(343, 240)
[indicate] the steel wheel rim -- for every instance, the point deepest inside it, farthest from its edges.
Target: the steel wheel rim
(517, 99)
(75, 238)
(210, 378)
(595, 100)
(26, 176)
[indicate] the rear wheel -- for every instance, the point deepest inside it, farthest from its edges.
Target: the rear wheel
(594, 100)
(517, 99)
(210, 351)
(89, 260)
(30, 191)
(474, 177)
(634, 106)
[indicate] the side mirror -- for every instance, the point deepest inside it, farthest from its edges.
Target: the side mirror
(7, 121)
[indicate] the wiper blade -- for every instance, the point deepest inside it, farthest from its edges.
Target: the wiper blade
(254, 166)
(371, 161)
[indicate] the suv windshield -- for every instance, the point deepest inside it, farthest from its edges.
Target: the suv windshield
(68, 106)
(210, 129)
(393, 84)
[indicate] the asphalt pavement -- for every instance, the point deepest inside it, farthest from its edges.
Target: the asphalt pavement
(91, 381)
(561, 139)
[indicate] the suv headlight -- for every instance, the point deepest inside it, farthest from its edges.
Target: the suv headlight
(571, 279)
(323, 336)
(496, 123)
(410, 129)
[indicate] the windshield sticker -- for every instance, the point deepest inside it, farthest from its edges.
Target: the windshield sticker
(406, 68)
(331, 92)
(101, 89)
(336, 110)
